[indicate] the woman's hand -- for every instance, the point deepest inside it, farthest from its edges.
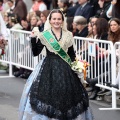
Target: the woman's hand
(35, 32)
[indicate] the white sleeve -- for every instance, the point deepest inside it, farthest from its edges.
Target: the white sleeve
(109, 11)
(42, 7)
(3, 28)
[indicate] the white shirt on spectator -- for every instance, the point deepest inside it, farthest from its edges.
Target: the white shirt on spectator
(3, 29)
(10, 8)
(109, 11)
(42, 7)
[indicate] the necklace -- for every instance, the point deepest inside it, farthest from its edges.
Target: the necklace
(56, 36)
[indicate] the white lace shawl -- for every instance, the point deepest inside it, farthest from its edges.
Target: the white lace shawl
(65, 42)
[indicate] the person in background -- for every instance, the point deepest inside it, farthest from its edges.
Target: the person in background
(3, 29)
(70, 24)
(48, 3)
(33, 21)
(38, 5)
(43, 17)
(95, 6)
(29, 16)
(85, 9)
(54, 4)
(103, 7)
(114, 9)
(81, 25)
(5, 5)
(82, 29)
(11, 5)
(20, 9)
(63, 5)
(25, 24)
(3, 42)
(100, 31)
(114, 36)
(72, 9)
(6, 19)
(14, 23)
(53, 90)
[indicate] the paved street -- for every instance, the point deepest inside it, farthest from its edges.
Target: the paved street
(10, 93)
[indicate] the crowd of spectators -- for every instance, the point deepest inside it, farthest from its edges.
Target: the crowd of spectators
(97, 19)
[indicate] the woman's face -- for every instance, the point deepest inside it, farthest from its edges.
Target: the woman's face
(114, 26)
(33, 21)
(56, 20)
(10, 4)
(6, 18)
(60, 4)
(79, 27)
(90, 28)
(93, 20)
(43, 18)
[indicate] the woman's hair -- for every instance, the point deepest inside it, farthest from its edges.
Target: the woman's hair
(90, 32)
(45, 13)
(11, 1)
(114, 19)
(56, 11)
(35, 16)
(114, 36)
(38, 13)
(69, 21)
(101, 26)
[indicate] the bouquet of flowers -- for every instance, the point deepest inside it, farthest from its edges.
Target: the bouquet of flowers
(80, 67)
(3, 44)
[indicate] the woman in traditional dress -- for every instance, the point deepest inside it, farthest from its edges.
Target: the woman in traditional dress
(53, 91)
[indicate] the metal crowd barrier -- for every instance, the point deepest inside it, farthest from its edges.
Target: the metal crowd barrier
(100, 54)
(18, 51)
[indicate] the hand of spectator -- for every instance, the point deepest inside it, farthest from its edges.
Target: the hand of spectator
(101, 3)
(39, 23)
(113, 2)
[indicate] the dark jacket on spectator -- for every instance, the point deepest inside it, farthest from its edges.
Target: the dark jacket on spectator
(86, 11)
(71, 10)
(101, 13)
(82, 33)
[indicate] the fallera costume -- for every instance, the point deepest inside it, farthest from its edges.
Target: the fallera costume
(53, 91)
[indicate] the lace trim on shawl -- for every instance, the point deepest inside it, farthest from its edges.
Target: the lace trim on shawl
(51, 112)
(65, 42)
(48, 110)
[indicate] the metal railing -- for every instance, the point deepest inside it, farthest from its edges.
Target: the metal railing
(100, 54)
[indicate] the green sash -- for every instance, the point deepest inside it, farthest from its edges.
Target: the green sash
(55, 45)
